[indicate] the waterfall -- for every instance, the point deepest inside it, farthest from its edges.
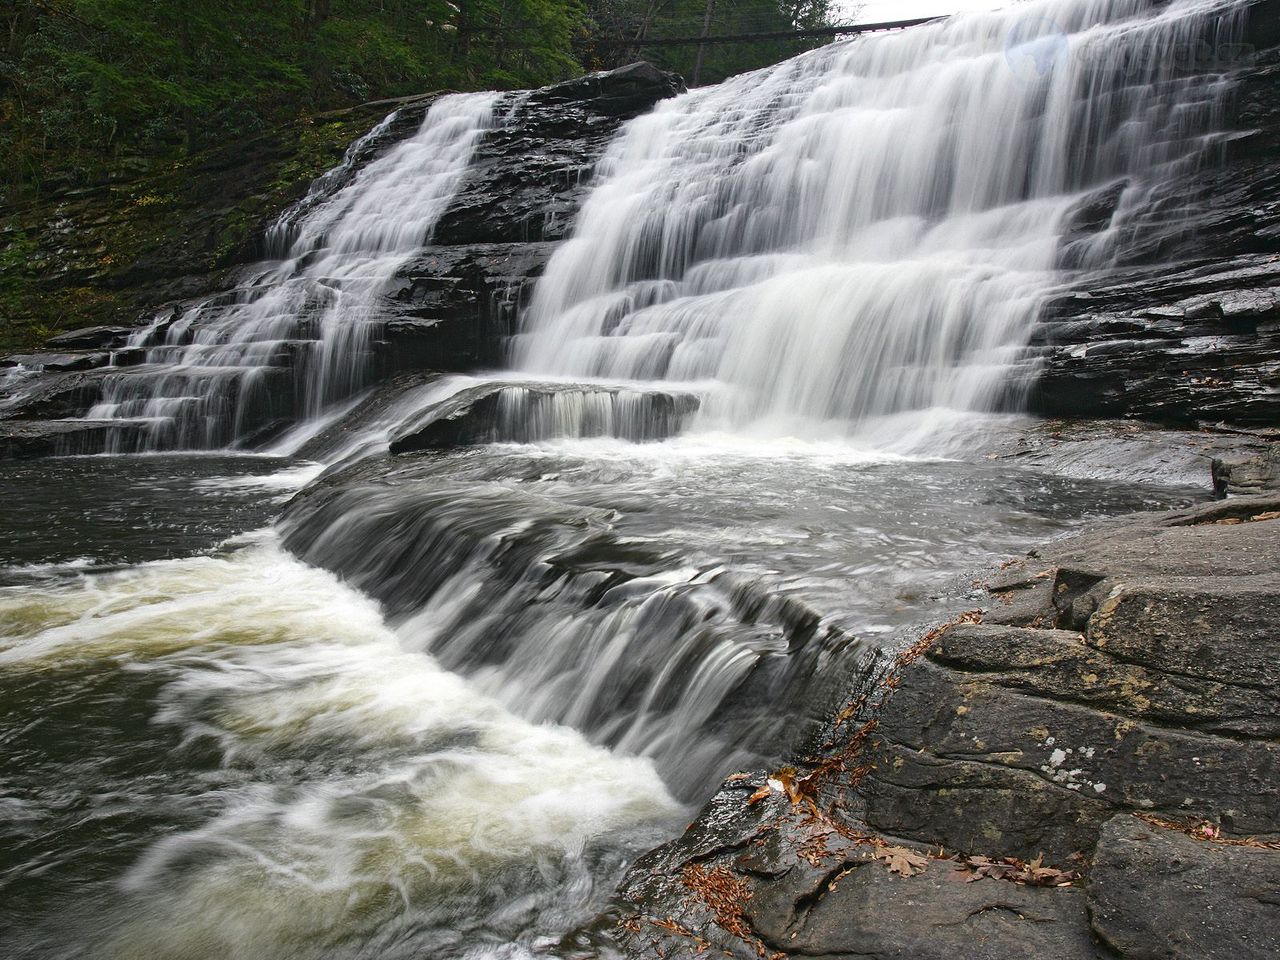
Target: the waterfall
(309, 317)
(512, 627)
(870, 229)
(857, 241)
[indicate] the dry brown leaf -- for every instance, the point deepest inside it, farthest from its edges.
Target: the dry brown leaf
(900, 860)
(1034, 874)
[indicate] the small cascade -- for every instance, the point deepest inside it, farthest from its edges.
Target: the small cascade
(495, 412)
(869, 230)
(549, 609)
(295, 340)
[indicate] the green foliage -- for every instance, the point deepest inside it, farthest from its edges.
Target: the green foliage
(84, 80)
(87, 82)
(101, 254)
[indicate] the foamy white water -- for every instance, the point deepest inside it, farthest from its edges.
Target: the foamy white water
(357, 790)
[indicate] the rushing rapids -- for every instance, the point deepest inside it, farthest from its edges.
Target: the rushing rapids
(856, 241)
(556, 603)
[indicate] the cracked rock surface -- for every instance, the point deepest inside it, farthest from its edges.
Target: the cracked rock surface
(1113, 713)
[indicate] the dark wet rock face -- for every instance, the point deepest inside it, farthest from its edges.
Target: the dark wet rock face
(454, 303)
(1113, 712)
(452, 306)
(530, 174)
(1188, 330)
(1156, 893)
(1196, 343)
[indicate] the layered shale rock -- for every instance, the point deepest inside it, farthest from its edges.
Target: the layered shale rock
(1088, 767)
(1188, 328)
(458, 298)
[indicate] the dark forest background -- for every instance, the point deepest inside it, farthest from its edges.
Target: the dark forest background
(86, 81)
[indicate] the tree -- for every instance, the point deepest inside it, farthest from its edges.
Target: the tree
(615, 20)
(82, 80)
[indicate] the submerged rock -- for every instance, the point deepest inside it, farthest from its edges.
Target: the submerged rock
(531, 412)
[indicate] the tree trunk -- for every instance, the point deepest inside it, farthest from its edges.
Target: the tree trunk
(702, 47)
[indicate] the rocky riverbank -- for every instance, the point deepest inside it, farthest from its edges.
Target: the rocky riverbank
(1084, 767)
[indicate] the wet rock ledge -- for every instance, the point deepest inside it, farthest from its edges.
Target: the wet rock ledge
(1089, 767)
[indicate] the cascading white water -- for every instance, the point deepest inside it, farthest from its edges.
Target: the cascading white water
(238, 755)
(863, 233)
(870, 229)
(315, 308)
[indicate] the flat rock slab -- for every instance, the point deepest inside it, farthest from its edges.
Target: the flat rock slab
(1185, 544)
(1216, 461)
(1157, 894)
(92, 338)
(874, 913)
(25, 439)
(58, 362)
(1131, 669)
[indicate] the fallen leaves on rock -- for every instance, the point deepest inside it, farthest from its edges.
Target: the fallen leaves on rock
(900, 860)
(635, 924)
(814, 850)
(925, 643)
(1033, 874)
(724, 894)
(1256, 518)
(1208, 832)
(785, 781)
